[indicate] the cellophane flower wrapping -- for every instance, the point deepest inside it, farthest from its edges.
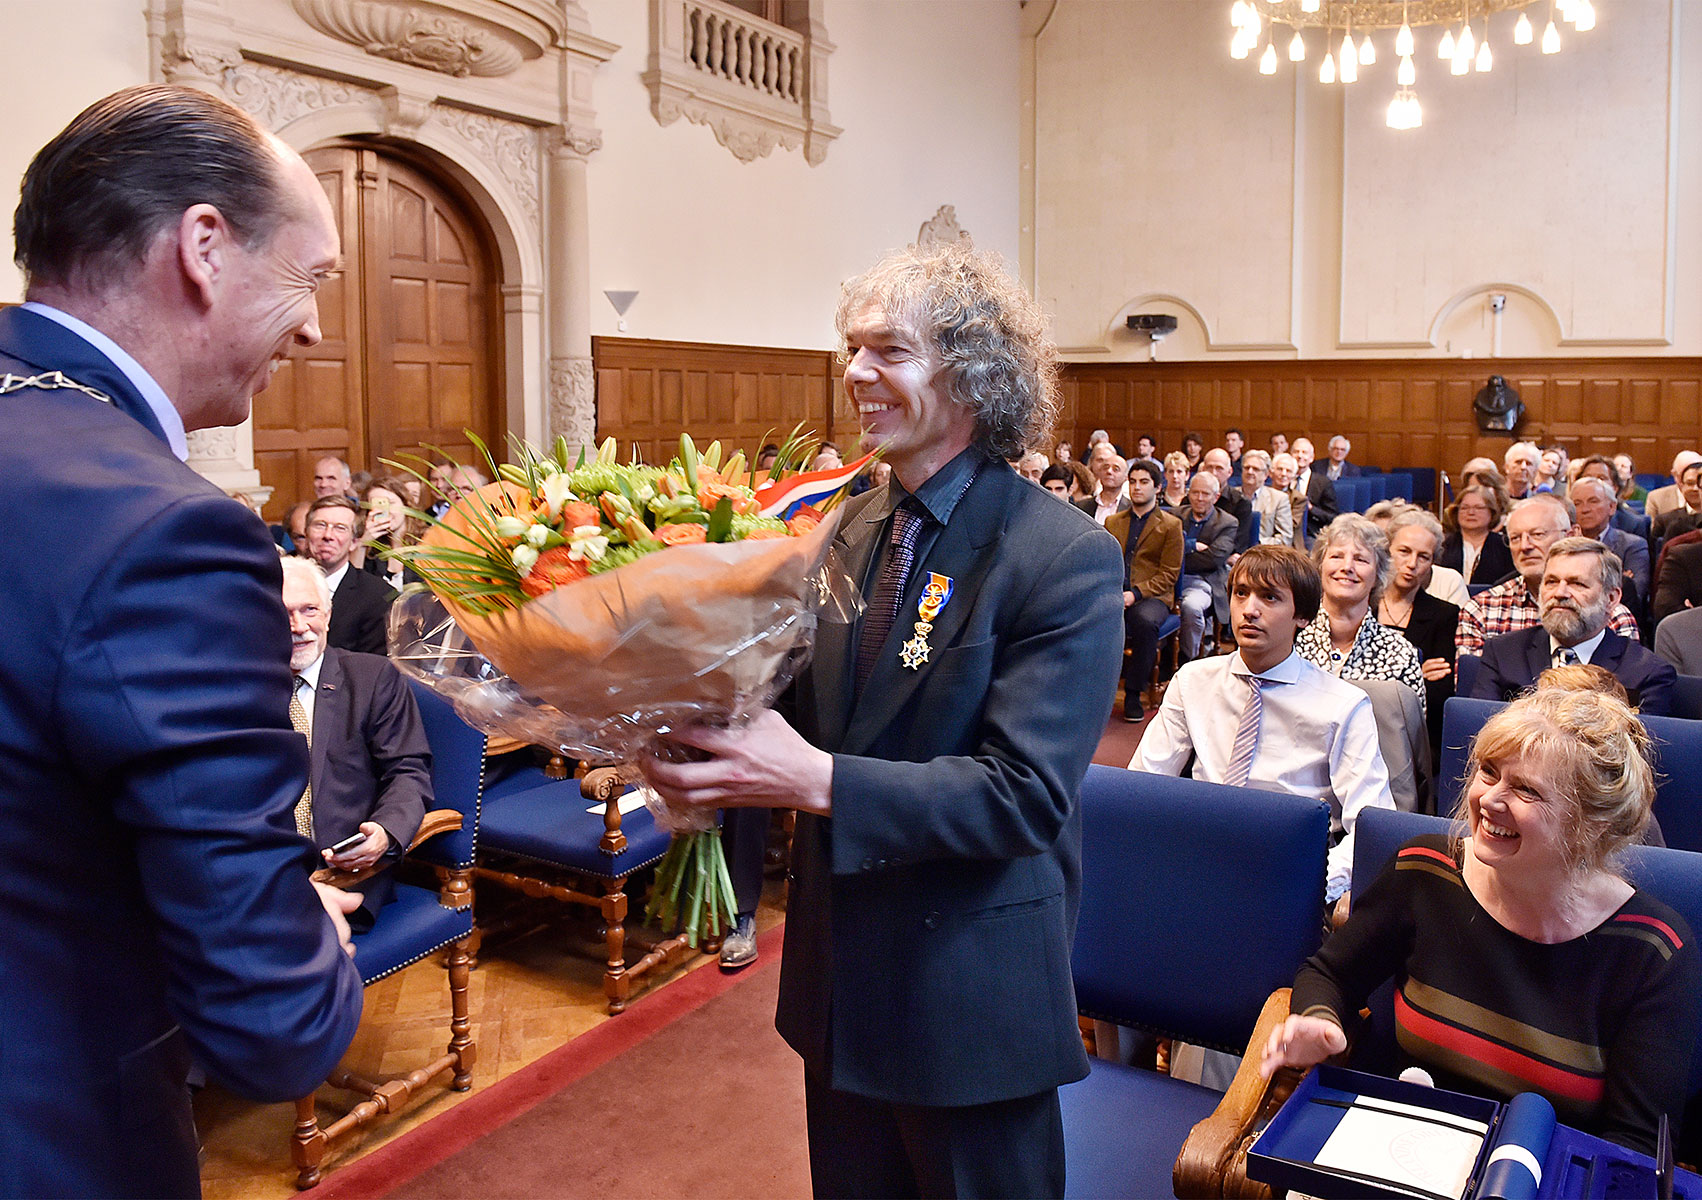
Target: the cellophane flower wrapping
(604, 667)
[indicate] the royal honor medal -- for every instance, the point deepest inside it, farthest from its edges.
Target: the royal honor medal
(934, 597)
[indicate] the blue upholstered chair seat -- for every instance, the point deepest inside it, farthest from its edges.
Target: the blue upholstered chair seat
(1124, 1128)
(410, 927)
(547, 822)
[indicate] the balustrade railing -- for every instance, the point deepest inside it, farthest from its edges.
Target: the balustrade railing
(733, 46)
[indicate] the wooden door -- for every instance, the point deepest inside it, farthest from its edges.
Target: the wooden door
(409, 357)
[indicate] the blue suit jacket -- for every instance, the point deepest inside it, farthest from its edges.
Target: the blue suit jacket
(155, 890)
(929, 929)
(1512, 662)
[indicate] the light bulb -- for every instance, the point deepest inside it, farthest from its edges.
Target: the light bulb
(1445, 48)
(1238, 13)
(1584, 17)
(1485, 60)
(1268, 60)
(1404, 112)
(1297, 48)
(1406, 76)
(1403, 40)
(1465, 45)
(1522, 32)
(1565, 7)
(1460, 64)
(1349, 70)
(1239, 47)
(1327, 69)
(1308, 6)
(1253, 25)
(1348, 50)
(1367, 52)
(1551, 39)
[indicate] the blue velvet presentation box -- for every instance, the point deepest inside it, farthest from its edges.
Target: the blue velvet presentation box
(1516, 1151)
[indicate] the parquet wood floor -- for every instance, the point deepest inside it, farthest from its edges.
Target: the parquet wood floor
(527, 997)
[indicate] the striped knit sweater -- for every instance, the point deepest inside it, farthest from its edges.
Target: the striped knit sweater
(1603, 1025)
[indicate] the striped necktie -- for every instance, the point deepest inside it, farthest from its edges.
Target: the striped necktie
(1247, 736)
(889, 590)
(298, 719)
(1565, 656)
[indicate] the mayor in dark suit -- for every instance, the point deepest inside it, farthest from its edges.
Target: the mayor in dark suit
(360, 609)
(1580, 586)
(156, 892)
(370, 763)
(1322, 506)
(926, 979)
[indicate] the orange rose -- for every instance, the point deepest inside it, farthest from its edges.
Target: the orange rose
(553, 569)
(802, 521)
(576, 513)
(680, 535)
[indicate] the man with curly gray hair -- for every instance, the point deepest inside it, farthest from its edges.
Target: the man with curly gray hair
(935, 752)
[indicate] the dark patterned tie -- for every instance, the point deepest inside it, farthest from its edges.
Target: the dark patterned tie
(1565, 657)
(889, 590)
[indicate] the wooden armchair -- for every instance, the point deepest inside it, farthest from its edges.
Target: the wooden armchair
(418, 922)
(538, 837)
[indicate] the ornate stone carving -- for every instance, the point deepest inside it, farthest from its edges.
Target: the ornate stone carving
(573, 401)
(193, 61)
(575, 140)
(420, 37)
(208, 446)
(404, 112)
(276, 97)
(509, 146)
(942, 229)
(749, 138)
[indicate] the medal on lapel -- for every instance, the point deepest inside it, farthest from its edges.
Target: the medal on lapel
(935, 594)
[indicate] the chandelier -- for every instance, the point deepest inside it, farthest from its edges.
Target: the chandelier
(1464, 44)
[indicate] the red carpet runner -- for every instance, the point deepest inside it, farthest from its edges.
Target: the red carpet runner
(682, 1081)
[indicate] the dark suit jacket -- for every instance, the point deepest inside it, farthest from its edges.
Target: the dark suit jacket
(1680, 579)
(154, 885)
(1091, 505)
(929, 929)
(1322, 505)
(1670, 524)
(360, 612)
(1350, 469)
(1220, 534)
(1241, 508)
(1512, 662)
(1493, 565)
(370, 761)
(1633, 554)
(1157, 563)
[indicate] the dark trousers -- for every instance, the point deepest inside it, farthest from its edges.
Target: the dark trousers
(864, 1147)
(1141, 621)
(744, 838)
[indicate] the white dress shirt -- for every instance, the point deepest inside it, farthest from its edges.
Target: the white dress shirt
(1448, 584)
(1317, 737)
(309, 687)
(1103, 511)
(1585, 650)
(335, 579)
(171, 422)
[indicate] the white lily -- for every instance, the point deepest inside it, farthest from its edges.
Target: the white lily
(587, 544)
(557, 492)
(511, 527)
(525, 557)
(537, 535)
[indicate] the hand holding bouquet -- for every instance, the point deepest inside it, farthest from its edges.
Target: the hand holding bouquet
(621, 601)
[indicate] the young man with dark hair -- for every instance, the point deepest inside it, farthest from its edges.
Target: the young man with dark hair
(1266, 718)
(1151, 541)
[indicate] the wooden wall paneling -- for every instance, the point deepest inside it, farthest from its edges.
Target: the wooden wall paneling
(1397, 412)
(648, 392)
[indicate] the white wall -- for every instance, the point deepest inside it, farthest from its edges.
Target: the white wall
(1257, 209)
(753, 253)
(61, 56)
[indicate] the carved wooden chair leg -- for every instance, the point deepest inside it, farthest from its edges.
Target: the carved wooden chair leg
(309, 1145)
(460, 1021)
(616, 985)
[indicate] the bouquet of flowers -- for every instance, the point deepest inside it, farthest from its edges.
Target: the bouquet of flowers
(592, 606)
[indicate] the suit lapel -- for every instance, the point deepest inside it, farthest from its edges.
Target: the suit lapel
(976, 522)
(1610, 652)
(1537, 654)
(330, 710)
(834, 673)
(43, 344)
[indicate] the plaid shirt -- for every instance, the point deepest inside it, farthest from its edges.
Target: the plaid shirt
(1510, 606)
